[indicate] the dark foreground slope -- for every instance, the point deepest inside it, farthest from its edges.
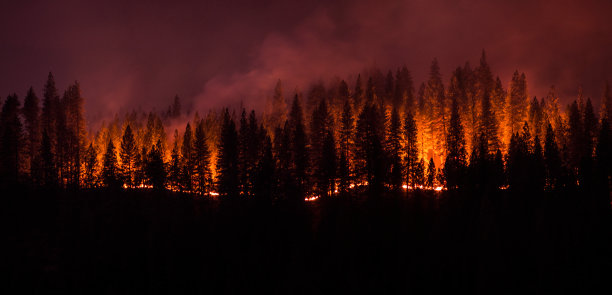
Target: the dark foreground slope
(148, 242)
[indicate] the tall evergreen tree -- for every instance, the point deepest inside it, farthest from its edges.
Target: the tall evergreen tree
(155, 168)
(347, 130)
(11, 154)
(431, 173)
(48, 177)
(394, 147)
(174, 175)
(227, 159)
(110, 173)
(299, 149)
(128, 156)
(187, 153)
(552, 160)
(31, 113)
(202, 161)
(411, 151)
(455, 164)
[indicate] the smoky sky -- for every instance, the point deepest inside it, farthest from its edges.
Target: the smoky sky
(139, 54)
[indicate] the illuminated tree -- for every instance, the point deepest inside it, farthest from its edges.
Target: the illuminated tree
(347, 129)
(187, 159)
(227, 158)
(435, 98)
(606, 103)
(517, 102)
(128, 156)
(488, 124)
(175, 163)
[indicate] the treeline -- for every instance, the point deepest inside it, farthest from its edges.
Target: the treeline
(378, 135)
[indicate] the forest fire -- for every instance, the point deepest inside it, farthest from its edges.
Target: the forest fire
(377, 135)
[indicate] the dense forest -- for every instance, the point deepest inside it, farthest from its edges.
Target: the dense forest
(376, 187)
(379, 134)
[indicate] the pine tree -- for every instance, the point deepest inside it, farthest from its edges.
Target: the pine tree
(155, 168)
(347, 129)
(299, 150)
(188, 166)
(328, 165)
(552, 160)
(394, 150)
(455, 164)
(227, 158)
(358, 94)
(411, 151)
(263, 185)
(202, 161)
(431, 173)
(49, 110)
(91, 162)
(48, 171)
(517, 102)
(110, 173)
(369, 141)
(606, 103)
(31, 114)
(175, 164)
(74, 133)
(128, 156)
(11, 135)
(488, 125)
(434, 96)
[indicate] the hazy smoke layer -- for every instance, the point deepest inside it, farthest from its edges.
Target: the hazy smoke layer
(212, 54)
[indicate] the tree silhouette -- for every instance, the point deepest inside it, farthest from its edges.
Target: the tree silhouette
(31, 112)
(347, 130)
(11, 136)
(128, 156)
(202, 161)
(394, 150)
(91, 161)
(110, 173)
(227, 160)
(187, 160)
(298, 148)
(455, 164)
(155, 168)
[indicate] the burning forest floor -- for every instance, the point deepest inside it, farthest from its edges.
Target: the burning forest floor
(424, 241)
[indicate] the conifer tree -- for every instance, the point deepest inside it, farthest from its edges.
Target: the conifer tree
(411, 151)
(358, 94)
(263, 185)
(110, 173)
(175, 164)
(552, 160)
(455, 164)
(431, 173)
(394, 150)
(128, 156)
(298, 148)
(11, 135)
(155, 168)
(48, 171)
(347, 129)
(227, 159)
(202, 160)
(188, 166)
(91, 162)
(31, 112)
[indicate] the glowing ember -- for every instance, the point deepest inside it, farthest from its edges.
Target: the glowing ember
(310, 199)
(405, 187)
(214, 194)
(438, 188)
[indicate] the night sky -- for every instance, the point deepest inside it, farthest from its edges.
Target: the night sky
(214, 53)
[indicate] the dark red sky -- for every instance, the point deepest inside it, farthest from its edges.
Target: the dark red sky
(213, 53)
